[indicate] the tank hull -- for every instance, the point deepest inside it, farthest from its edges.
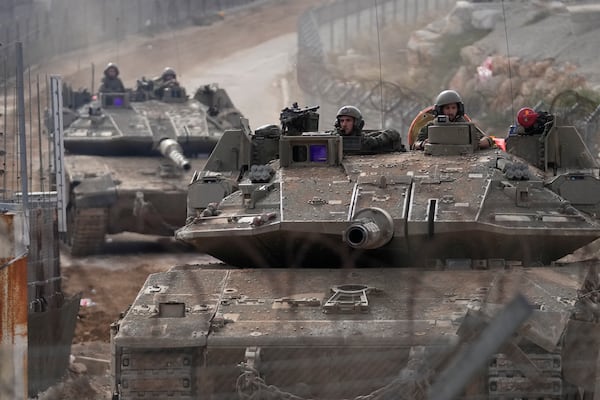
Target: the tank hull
(280, 245)
(433, 209)
(288, 324)
(139, 194)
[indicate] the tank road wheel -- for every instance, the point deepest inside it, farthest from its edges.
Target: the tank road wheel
(85, 230)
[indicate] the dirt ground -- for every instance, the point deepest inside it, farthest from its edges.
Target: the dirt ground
(110, 282)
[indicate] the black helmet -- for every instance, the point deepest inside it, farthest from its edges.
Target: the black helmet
(449, 97)
(168, 71)
(351, 111)
(109, 66)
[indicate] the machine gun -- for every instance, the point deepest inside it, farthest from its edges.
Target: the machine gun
(295, 120)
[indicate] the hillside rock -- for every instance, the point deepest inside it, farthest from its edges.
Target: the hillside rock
(547, 53)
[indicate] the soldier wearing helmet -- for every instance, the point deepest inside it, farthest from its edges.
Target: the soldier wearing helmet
(111, 83)
(349, 122)
(168, 75)
(167, 79)
(449, 103)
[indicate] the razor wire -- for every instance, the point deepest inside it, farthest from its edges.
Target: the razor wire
(576, 109)
(412, 383)
(399, 104)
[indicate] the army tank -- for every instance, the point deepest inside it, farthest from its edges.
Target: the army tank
(231, 332)
(129, 158)
(309, 198)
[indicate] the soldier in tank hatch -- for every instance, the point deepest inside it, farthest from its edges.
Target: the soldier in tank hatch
(168, 79)
(450, 104)
(349, 122)
(111, 83)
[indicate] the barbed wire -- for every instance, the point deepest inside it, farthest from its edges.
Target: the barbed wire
(412, 383)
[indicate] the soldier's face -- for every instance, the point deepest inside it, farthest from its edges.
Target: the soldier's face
(450, 110)
(111, 72)
(346, 124)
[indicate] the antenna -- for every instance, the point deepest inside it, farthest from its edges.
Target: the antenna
(177, 54)
(380, 72)
(512, 106)
(93, 77)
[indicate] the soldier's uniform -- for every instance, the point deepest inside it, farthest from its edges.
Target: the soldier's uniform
(385, 140)
(111, 83)
(168, 78)
(444, 98)
(374, 141)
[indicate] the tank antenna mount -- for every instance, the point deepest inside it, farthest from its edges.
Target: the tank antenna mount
(380, 69)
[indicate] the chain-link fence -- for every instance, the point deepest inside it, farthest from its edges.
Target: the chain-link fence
(22, 149)
(333, 29)
(25, 167)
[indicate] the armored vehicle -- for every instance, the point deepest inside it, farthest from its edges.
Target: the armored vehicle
(129, 158)
(309, 198)
(197, 332)
(466, 222)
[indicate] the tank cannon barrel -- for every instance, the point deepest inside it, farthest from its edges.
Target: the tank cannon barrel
(371, 229)
(172, 150)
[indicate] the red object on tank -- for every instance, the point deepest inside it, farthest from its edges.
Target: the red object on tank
(526, 117)
(500, 143)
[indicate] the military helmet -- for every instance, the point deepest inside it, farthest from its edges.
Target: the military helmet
(449, 97)
(168, 71)
(109, 66)
(351, 111)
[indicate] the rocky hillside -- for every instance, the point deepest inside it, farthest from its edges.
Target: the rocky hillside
(505, 55)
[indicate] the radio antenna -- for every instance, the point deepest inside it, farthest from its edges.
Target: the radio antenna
(512, 106)
(380, 71)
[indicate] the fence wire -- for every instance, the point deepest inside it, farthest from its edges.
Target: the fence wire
(334, 28)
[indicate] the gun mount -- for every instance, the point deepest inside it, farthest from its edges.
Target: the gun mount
(295, 120)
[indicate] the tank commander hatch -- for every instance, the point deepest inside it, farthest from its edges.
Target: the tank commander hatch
(111, 83)
(349, 122)
(449, 103)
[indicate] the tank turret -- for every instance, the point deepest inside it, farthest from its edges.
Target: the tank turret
(561, 154)
(129, 158)
(531, 204)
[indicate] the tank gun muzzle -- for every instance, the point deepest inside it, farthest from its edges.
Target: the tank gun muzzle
(372, 228)
(172, 150)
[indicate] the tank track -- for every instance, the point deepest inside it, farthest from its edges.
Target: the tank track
(86, 229)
